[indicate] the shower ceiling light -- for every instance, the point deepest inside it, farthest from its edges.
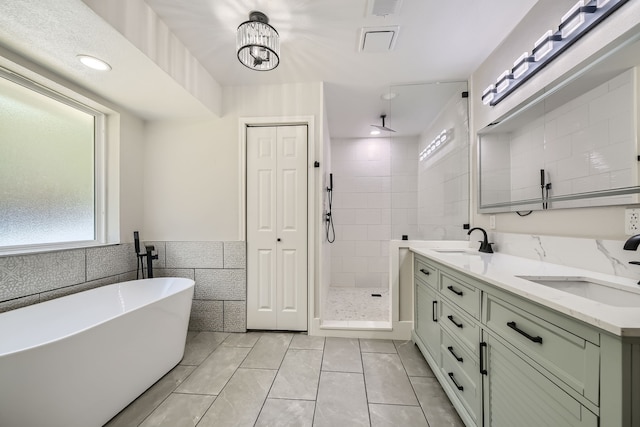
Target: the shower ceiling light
(258, 43)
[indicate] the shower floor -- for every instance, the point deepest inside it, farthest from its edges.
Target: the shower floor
(357, 304)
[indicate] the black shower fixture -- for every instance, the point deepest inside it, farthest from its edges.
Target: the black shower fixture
(383, 127)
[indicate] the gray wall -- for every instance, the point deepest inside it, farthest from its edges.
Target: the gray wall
(218, 268)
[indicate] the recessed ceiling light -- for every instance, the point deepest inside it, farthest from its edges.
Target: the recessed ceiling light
(94, 63)
(374, 132)
(388, 96)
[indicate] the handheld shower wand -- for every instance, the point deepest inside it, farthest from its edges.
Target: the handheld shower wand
(139, 264)
(544, 188)
(330, 230)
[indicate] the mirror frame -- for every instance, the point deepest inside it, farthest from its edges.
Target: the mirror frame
(592, 198)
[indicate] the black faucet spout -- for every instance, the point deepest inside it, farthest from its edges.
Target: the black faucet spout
(632, 243)
(485, 246)
(150, 258)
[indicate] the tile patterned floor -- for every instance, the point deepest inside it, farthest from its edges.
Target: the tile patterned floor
(356, 304)
(285, 379)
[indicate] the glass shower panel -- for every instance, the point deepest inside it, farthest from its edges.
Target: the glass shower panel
(430, 162)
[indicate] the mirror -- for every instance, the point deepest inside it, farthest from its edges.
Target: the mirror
(575, 146)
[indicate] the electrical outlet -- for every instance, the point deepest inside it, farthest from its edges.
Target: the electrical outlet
(492, 222)
(631, 221)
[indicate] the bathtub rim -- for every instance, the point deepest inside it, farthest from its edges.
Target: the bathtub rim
(189, 287)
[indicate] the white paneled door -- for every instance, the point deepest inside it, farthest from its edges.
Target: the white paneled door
(277, 228)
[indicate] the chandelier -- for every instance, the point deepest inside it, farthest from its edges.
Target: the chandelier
(258, 43)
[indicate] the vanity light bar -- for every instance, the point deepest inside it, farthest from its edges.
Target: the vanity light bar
(521, 65)
(438, 142)
(575, 17)
(503, 81)
(488, 94)
(578, 20)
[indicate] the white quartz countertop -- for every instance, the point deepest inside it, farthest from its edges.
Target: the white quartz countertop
(501, 271)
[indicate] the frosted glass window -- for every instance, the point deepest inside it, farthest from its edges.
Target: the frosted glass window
(47, 173)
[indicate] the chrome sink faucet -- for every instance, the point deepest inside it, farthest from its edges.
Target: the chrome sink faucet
(632, 244)
(485, 246)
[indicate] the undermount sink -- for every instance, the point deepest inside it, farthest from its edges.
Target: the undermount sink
(603, 292)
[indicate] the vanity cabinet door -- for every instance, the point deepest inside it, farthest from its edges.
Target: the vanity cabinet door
(427, 311)
(517, 394)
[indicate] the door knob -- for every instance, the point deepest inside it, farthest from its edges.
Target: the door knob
(279, 240)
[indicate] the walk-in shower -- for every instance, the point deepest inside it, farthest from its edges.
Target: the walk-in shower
(387, 187)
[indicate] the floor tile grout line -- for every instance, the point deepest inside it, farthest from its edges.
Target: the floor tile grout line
(227, 382)
(173, 390)
(205, 412)
(411, 383)
(266, 397)
(364, 380)
(187, 377)
(315, 406)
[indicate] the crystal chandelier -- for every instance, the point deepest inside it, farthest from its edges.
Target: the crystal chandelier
(258, 43)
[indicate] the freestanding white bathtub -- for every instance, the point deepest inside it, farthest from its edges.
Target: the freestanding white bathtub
(80, 359)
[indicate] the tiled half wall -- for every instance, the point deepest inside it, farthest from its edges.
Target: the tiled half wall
(218, 268)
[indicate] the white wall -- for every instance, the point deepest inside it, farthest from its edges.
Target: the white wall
(131, 185)
(602, 222)
(192, 168)
(135, 20)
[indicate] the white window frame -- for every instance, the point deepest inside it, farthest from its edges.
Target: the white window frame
(74, 100)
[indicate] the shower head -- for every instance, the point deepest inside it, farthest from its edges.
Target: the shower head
(383, 127)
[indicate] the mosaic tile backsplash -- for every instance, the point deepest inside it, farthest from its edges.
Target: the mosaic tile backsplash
(219, 269)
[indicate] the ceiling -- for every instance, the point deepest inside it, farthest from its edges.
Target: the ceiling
(438, 41)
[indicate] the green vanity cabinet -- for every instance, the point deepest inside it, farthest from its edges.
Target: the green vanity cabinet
(504, 360)
(426, 318)
(515, 393)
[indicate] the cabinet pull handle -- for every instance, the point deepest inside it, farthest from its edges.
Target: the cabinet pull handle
(483, 348)
(455, 291)
(455, 382)
(458, 358)
(425, 272)
(513, 326)
(434, 314)
(459, 325)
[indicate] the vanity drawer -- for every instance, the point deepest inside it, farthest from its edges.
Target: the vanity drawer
(462, 372)
(425, 272)
(571, 358)
(460, 326)
(463, 294)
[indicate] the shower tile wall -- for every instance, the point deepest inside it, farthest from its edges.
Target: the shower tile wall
(219, 269)
(375, 182)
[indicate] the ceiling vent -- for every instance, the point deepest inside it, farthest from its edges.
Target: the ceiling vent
(378, 39)
(383, 7)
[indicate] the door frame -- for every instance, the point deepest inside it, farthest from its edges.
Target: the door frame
(309, 121)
